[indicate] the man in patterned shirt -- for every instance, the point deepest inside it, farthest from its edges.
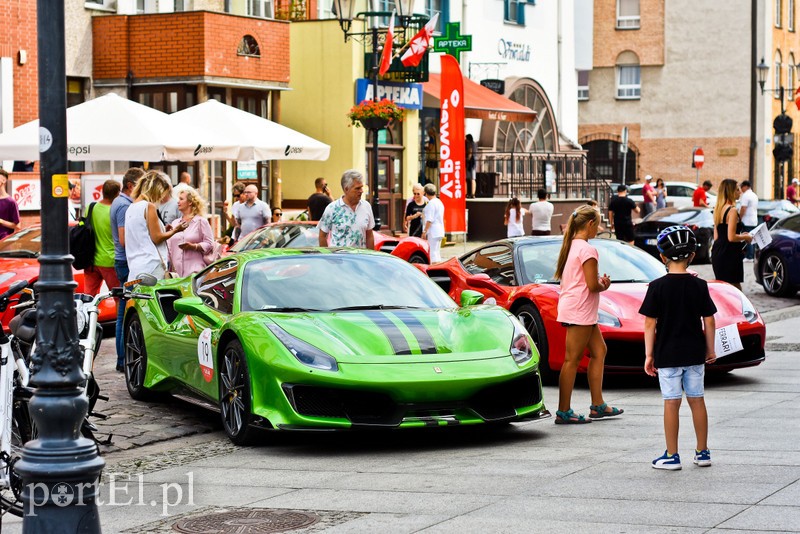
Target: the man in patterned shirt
(348, 221)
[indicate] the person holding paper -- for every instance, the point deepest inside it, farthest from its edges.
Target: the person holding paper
(729, 236)
(748, 211)
(679, 334)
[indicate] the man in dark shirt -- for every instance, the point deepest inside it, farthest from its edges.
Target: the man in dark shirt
(619, 213)
(319, 200)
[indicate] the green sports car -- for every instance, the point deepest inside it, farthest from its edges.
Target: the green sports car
(328, 339)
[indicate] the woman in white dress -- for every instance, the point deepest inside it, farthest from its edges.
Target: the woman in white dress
(514, 217)
(145, 235)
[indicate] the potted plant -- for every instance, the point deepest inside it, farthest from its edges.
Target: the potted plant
(375, 115)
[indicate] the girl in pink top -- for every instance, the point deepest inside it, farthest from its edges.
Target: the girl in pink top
(186, 250)
(577, 311)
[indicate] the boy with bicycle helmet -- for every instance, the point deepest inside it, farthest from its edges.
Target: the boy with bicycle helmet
(679, 340)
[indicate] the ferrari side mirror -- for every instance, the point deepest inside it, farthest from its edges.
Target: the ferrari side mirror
(194, 306)
(470, 298)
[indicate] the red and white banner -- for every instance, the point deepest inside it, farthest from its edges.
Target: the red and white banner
(27, 194)
(386, 56)
(419, 43)
(452, 167)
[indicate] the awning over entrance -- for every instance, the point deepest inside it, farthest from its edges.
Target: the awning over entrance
(479, 102)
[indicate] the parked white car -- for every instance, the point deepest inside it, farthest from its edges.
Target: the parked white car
(679, 194)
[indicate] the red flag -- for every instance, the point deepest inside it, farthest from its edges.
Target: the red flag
(419, 44)
(452, 168)
(386, 56)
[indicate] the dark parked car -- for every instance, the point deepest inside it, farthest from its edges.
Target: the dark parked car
(700, 220)
(771, 211)
(777, 265)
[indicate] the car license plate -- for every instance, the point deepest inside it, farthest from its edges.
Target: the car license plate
(650, 242)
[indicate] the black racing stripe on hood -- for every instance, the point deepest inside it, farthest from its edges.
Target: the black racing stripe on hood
(392, 332)
(424, 338)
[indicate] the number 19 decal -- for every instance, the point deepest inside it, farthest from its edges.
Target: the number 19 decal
(204, 354)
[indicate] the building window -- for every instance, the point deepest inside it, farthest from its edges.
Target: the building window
(514, 12)
(629, 76)
(435, 7)
(140, 7)
(790, 72)
(777, 80)
(260, 8)
(583, 85)
(325, 10)
(105, 5)
(778, 13)
(628, 15)
(248, 46)
(790, 15)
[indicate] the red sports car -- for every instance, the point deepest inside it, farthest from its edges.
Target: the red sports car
(19, 255)
(298, 234)
(518, 274)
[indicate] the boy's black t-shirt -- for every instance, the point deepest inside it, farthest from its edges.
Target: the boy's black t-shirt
(622, 207)
(678, 302)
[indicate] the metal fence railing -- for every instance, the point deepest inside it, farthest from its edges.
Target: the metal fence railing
(563, 175)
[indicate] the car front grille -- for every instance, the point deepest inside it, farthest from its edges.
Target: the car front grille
(369, 408)
(628, 356)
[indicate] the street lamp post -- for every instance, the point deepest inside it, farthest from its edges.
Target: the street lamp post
(60, 468)
(345, 13)
(784, 139)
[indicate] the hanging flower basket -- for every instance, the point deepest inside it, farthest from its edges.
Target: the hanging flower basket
(375, 115)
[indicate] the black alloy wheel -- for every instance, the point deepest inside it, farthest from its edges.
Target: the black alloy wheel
(774, 276)
(531, 319)
(136, 360)
(235, 400)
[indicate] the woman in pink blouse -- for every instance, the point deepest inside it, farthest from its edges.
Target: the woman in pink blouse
(186, 250)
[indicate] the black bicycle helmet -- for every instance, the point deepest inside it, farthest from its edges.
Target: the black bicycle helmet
(676, 242)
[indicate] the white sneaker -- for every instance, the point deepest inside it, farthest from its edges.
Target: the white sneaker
(748, 260)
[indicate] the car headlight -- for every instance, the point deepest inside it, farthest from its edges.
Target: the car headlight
(305, 353)
(748, 310)
(520, 348)
(607, 319)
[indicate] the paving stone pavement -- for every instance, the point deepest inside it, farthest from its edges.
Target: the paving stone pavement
(136, 424)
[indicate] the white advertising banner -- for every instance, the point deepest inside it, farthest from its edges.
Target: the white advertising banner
(27, 194)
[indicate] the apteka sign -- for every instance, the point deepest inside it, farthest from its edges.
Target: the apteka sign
(405, 95)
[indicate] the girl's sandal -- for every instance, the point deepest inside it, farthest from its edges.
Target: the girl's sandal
(600, 411)
(570, 418)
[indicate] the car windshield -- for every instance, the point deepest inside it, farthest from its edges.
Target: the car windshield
(623, 263)
(26, 243)
(337, 281)
(280, 236)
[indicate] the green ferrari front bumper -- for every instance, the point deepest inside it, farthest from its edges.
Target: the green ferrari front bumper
(400, 395)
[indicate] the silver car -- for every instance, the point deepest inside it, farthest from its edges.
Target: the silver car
(679, 194)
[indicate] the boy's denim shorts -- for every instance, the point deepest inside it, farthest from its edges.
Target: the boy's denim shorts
(676, 380)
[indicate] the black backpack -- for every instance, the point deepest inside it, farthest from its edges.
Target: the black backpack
(81, 241)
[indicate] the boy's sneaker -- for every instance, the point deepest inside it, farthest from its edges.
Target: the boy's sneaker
(670, 462)
(702, 458)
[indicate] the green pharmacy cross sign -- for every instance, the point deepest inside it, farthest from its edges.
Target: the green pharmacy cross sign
(452, 42)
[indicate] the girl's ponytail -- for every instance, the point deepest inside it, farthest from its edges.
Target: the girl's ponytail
(579, 218)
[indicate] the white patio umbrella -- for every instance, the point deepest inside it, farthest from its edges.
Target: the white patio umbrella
(106, 128)
(255, 138)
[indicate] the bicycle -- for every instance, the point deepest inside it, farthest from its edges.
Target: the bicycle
(17, 425)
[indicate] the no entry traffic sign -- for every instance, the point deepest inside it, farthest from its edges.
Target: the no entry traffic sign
(698, 158)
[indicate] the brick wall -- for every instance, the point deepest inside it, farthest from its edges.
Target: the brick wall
(189, 44)
(647, 42)
(18, 23)
(671, 158)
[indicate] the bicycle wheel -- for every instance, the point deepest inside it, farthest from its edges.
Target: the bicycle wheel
(22, 430)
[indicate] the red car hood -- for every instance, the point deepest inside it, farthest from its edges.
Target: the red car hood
(24, 269)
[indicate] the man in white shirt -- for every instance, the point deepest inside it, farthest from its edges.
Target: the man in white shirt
(541, 214)
(184, 183)
(348, 221)
(433, 230)
(748, 211)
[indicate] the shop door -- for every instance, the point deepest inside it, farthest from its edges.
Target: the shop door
(390, 195)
